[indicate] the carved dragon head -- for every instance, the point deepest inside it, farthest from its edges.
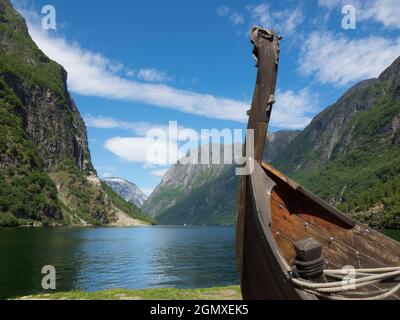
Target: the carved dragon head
(265, 41)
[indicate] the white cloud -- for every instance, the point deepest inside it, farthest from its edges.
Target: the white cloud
(285, 22)
(92, 74)
(386, 12)
(338, 60)
(153, 75)
(295, 110)
(330, 4)
(145, 74)
(145, 150)
(233, 16)
(142, 128)
(101, 122)
(159, 173)
(223, 11)
(261, 15)
(89, 75)
(236, 18)
(139, 128)
(289, 20)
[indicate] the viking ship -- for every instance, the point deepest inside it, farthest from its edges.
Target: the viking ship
(291, 244)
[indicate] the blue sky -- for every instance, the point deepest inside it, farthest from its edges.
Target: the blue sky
(136, 65)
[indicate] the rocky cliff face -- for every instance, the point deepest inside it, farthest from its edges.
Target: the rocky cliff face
(46, 174)
(182, 180)
(49, 115)
(330, 134)
(127, 190)
(211, 203)
(204, 194)
(276, 142)
(317, 142)
(57, 129)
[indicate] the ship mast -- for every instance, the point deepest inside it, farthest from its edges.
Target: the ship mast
(266, 53)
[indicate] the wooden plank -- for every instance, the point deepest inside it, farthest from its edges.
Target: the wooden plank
(288, 227)
(370, 243)
(263, 277)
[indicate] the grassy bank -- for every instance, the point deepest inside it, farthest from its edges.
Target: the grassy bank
(223, 293)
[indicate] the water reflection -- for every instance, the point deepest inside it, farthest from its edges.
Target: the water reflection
(101, 258)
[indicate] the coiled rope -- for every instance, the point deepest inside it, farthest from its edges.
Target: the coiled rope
(366, 277)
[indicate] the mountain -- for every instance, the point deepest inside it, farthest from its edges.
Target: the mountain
(203, 194)
(350, 153)
(127, 190)
(196, 193)
(127, 214)
(213, 202)
(46, 173)
(277, 141)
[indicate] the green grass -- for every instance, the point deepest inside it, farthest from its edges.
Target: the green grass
(219, 293)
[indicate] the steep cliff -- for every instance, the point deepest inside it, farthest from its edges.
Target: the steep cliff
(212, 203)
(46, 174)
(184, 180)
(277, 141)
(204, 194)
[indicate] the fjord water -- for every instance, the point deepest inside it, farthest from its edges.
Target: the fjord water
(394, 234)
(92, 259)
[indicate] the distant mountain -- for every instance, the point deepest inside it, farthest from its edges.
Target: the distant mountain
(277, 141)
(203, 194)
(213, 202)
(186, 180)
(46, 173)
(350, 153)
(127, 190)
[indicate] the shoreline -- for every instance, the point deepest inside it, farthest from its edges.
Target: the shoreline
(217, 293)
(117, 226)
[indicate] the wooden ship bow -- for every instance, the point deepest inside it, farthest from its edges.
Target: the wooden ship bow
(290, 243)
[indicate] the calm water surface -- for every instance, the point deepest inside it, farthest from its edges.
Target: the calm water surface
(93, 259)
(394, 234)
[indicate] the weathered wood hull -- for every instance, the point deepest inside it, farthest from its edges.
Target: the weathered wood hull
(273, 212)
